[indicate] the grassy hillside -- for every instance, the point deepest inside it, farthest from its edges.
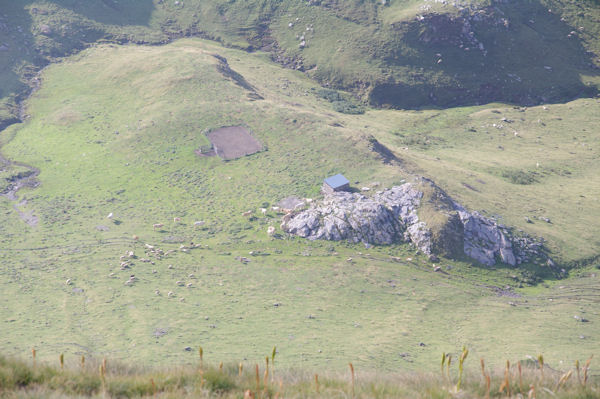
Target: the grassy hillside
(114, 129)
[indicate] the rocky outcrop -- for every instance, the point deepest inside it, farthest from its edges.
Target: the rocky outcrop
(419, 213)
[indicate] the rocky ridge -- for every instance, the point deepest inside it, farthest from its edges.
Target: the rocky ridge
(417, 212)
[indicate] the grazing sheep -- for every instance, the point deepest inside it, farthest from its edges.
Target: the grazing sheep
(275, 208)
(149, 246)
(110, 216)
(157, 292)
(130, 254)
(263, 211)
(189, 285)
(157, 226)
(170, 294)
(199, 223)
(179, 283)
(135, 237)
(271, 230)
(68, 282)
(176, 220)
(247, 213)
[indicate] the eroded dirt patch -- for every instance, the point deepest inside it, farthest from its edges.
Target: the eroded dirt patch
(233, 142)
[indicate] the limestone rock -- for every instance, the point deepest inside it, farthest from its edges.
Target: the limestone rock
(418, 212)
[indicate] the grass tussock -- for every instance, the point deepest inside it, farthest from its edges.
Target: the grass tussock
(23, 379)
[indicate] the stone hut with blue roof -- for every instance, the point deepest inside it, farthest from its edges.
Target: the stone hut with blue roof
(335, 183)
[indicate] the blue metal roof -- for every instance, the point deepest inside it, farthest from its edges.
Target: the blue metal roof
(336, 181)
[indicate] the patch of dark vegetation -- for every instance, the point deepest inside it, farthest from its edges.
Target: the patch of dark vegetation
(343, 103)
(422, 141)
(518, 176)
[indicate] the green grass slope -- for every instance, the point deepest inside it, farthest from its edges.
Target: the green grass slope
(114, 129)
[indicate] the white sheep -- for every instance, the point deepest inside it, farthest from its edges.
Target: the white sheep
(157, 226)
(271, 230)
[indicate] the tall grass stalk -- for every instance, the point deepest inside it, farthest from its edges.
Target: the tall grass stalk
(33, 352)
(461, 361)
(506, 382)
(520, 377)
(563, 380)
(448, 363)
(82, 362)
(257, 379)
(531, 394)
(317, 383)
(541, 362)
(266, 369)
(352, 374)
(577, 368)
(585, 370)
(201, 355)
(240, 369)
(62, 361)
(273, 353)
(443, 362)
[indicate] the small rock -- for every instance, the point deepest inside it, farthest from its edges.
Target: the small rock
(45, 29)
(187, 349)
(434, 258)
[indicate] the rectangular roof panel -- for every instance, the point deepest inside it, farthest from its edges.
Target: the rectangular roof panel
(336, 181)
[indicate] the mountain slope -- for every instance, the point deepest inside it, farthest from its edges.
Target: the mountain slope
(403, 54)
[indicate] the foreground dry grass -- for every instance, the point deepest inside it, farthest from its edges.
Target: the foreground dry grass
(95, 379)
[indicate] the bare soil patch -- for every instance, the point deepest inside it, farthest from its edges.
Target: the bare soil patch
(233, 142)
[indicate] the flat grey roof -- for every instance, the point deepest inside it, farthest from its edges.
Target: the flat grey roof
(336, 181)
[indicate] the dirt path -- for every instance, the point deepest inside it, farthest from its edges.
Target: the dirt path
(30, 180)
